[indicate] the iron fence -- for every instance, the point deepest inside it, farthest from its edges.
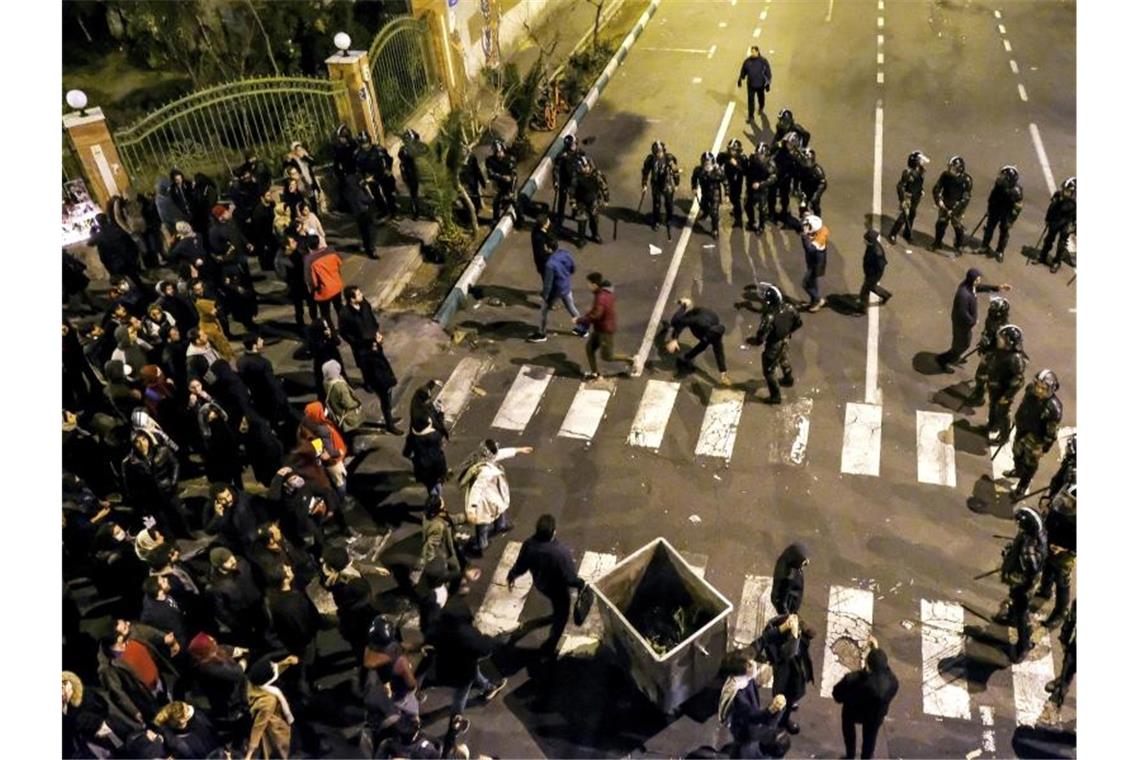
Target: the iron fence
(404, 70)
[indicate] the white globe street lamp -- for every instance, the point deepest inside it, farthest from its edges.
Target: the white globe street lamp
(342, 42)
(77, 99)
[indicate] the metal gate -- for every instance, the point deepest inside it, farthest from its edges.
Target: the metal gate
(209, 131)
(404, 71)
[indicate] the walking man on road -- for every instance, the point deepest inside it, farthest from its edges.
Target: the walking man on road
(556, 285)
(814, 236)
(1002, 209)
(952, 196)
(777, 323)
(866, 696)
(602, 316)
(660, 174)
(964, 315)
(759, 75)
(706, 328)
(550, 564)
(909, 189)
(874, 265)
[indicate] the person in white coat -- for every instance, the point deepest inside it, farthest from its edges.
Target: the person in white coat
(486, 493)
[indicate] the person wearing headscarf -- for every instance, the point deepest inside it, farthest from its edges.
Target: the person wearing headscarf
(118, 251)
(341, 402)
(158, 393)
(221, 678)
(424, 447)
(784, 643)
(322, 435)
(210, 325)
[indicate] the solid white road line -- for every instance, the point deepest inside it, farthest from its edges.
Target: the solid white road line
(1029, 679)
(935, 434)
(456, 391)
(871, 392)
(1063, 436)
(523, 398)
(1004, 460)
(675, 263)
(943, 637)
(718, 430)
(830, 7)
(586, 411)
(653, 412)
(501, 607)
(862, 437)
(697, 51)
(791, 433)
(849, 613)
(582, 641)
(1021, 91)
(1042, 158)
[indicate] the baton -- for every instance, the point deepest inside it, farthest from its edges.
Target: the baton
(998, 448)
(906, 222)
(979, 225)
(615, 227)
(969, 353)
(642, 201)
(987, 573)
(1033, 493)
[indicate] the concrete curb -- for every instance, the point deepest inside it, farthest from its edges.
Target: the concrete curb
(541, 174)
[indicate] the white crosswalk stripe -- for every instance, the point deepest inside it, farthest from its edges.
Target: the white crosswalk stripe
(523, 398)
(582, 641)
(718, 430)
(944, 691)
(1004, 458)
(755, 609)
(862, 438)
(653, 413)
(501, 607)
(789, 444)
(1029, 679)
(456, 392)
(849, 612)
(935, 435)
(587, 410)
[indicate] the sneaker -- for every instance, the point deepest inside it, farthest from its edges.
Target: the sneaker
(1055, 267)
(892, 239)
(813, 308)
(494, 689)
(1000, 256)
(934, 245)
(787, 381)
(537, 337)
(582, 331)
(590, 376)
(394, 430)
(1009, 474)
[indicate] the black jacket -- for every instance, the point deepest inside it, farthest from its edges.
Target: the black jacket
(235, 598)
(459, 644)
(965, 310)
(236, 527)
(294, 618)
(953, 191)
(866, 694)
(152, 477)
(374, 366)
(1039, 417)
(265, 389)
(358, 326)
(874, 257)
(1062, 211)
(791, 662)
(788, 579)
(704, 323)
(542, 244)
(756, 71)
(549, 563)
(166, 616)
(197, 739)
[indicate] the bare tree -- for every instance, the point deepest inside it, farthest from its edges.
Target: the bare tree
(598, 6)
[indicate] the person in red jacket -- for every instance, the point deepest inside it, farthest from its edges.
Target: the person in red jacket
(602, 317)
(322, 275)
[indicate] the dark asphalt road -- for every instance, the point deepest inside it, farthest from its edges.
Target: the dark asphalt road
(948, 88)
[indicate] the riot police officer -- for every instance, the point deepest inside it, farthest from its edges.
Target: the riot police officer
(811, 181)
(952, 196)
(1066, 474)
(1060, 685)
(1005, 376)
(1060, 221)
(732, 162)
(1021, 563)
(1002, 209)
(344, 160)
(660, 174)
(501, 171)
(1061, 537)
(760, 174)
(997, 316)
(778, 320)
(786, 158)
(785, 123)
(589, 194)
(374, 163)
(407, 154)
(1037, 420)
(711, 180)
(564, 165)
(910, 192)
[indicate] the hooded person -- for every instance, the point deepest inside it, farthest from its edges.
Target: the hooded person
(127, 350)
(866, 696)
(328, 443)
(964, 315)
(788, 579)
(343, 406)
(424, 447)
(784, 644)
(210, 324)
(271, 732)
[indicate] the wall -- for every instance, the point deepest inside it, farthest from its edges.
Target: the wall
(467, 18)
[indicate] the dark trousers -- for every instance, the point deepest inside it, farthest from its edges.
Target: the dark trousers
(1059, 233)
(959, 344)
(999, 221)
(755, 96)
(948, 217)
(330, 307)
(871, 285)
(811, 285)
(870, 734)
(1019, 613)
(998, 419)
(904, 221)
(560, 616)
(300, 301)
(502, 200)
(561, 195)
(364, 225)
(735, 190)
(717, 343)
(783, 188)
(755, 202)
(591, 219)
(711, 209)
(662, 206)
(414, 197)
(1025, 460)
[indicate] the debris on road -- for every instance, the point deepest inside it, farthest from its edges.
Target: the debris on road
(694, 519)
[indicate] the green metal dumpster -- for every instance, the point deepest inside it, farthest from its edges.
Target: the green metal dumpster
(665, 625)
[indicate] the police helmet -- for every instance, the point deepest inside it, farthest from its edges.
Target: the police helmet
(1048, 378)
(785, 115)
(735, 145)
(1028, 519)
(498, 147)
(916, 159)
(411, 136)
(381, 633)
(770, 295)
(1069, 187)
(363, 137)
(808, 156)
(792, 140)
(1009, 174)
(658, 145)
(1013, 337)
(957, 164)
(584, 163)
(569, 141)
(1071, 446)
(707, 157)
(999, 306)
(763, 150)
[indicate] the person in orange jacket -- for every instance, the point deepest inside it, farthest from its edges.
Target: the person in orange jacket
(322, 275)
